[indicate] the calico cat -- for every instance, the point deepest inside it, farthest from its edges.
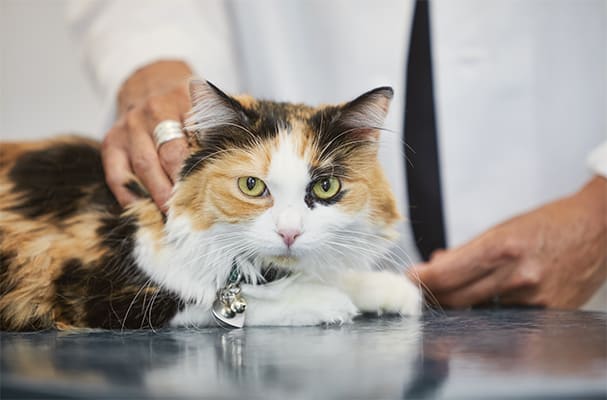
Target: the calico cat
(284, 203)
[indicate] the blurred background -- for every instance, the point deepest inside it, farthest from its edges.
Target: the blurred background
(44, 90)
(43, 87)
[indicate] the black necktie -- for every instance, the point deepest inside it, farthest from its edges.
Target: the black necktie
(421, 151)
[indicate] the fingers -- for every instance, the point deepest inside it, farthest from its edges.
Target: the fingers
(449, 270)
(526, 285)
(117, 171)
(129, 148)
(529, 296)
(172, 154)
(483, 290)
(473, 273)
(146, 165)
(168, 106)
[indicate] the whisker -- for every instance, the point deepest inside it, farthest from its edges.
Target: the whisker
(132, 303)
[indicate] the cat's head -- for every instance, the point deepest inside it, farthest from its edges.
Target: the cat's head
(286, 183)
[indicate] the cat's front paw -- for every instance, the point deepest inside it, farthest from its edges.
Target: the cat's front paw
(383, 292)
(298, 305)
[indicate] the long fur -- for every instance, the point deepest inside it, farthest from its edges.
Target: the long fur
(71, 258)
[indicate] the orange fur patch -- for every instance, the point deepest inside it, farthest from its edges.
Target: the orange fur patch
(36, 249)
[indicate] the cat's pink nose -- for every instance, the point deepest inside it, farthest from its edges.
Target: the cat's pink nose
(289, 235)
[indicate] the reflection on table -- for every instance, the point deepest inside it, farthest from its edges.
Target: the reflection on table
(471, 354)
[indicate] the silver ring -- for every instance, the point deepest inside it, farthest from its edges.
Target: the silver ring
(166, 131)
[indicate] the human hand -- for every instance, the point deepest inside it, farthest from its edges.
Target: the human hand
(152, 94)
(554, 256)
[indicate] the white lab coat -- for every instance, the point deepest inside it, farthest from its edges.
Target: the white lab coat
(521, 86)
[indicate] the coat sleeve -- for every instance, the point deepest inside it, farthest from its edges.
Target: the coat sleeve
(116, 37)
(597, 160)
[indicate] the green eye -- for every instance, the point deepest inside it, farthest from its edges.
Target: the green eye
(326, 188)
(251, 186)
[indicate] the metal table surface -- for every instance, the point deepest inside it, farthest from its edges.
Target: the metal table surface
(508, 353)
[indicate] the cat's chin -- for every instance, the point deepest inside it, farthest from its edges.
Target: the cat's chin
(284, 261)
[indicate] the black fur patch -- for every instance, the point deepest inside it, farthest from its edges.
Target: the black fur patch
(256, 124)
(271, 117)
(60, 180)
(137, 189)
(6, 284)
(102, 198)
(271, 273)
(337, 141)
(333, 170)
(342, 130)
(102, 296)
(111, 293)
(117, 233)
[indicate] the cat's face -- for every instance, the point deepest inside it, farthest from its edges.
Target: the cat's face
(286, 183)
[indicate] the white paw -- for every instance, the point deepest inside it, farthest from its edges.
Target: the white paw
(383, 292)
(299, 304)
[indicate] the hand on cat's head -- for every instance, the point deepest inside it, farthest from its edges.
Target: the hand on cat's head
(129, 150)
(156, 92)
(286, 180)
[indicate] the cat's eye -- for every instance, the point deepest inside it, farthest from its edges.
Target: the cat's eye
(251, 186)
(326, 188)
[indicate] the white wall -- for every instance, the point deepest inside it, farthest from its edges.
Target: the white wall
(43, 87)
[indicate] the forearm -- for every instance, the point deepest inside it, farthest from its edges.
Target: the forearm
(593, 197)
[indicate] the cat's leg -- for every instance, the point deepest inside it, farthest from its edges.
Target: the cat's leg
(381, 292)
(296, 302)
(287, 302)
(194, 315)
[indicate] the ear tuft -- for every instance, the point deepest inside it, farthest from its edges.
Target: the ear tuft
(369, 110)
(211, 107)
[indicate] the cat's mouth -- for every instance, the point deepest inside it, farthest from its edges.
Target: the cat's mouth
(284, 261)
(270, 271)
(270, 268)
(273, 272)
(277, 267)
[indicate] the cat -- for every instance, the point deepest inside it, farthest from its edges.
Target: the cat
(286, 202)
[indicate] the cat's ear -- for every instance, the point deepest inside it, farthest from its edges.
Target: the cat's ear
(211, 108)
(368, 111)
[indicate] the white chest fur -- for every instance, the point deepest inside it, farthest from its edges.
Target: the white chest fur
(301, 300)
(192, 264)
(196, 264)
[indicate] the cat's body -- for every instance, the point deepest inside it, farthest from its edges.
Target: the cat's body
(70, 257)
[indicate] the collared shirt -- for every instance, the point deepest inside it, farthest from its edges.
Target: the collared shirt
(520, 85)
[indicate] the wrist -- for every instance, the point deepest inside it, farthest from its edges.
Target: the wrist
(593, 197)
(154, 78)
